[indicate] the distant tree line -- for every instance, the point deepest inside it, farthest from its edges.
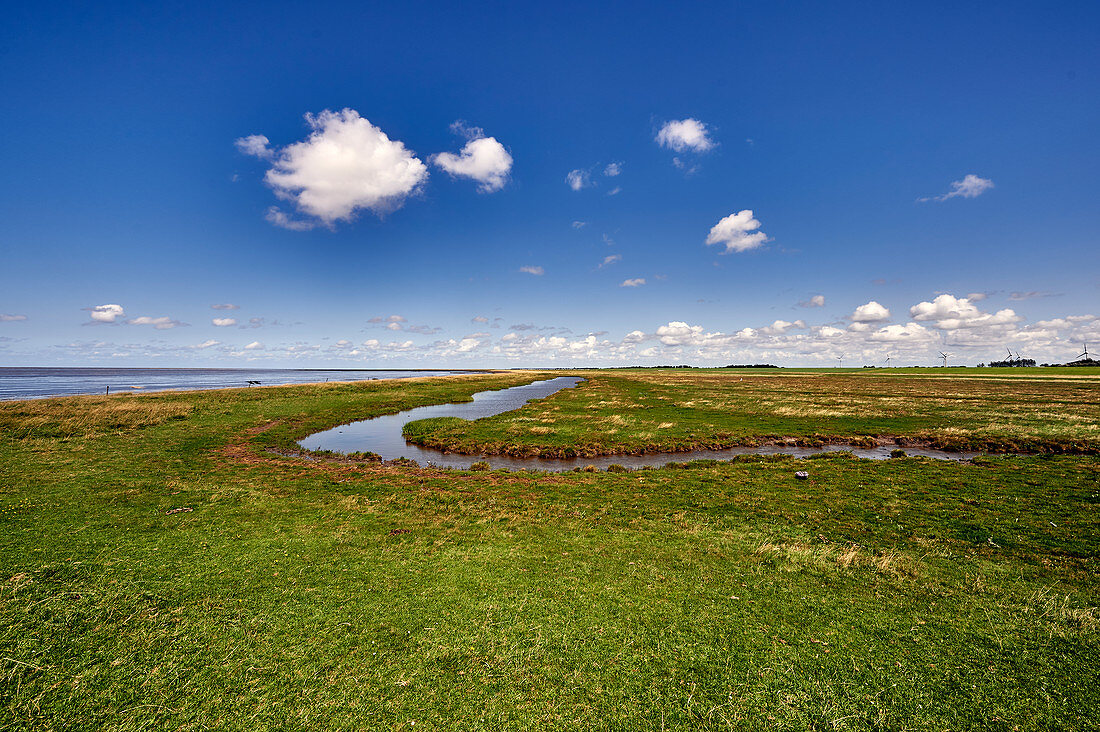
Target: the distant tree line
(1013, 362)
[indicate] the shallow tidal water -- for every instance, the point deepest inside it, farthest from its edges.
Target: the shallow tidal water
(382, 435)
(39, 383)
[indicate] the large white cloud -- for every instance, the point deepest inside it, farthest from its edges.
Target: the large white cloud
(871, 312)
(483, 159)
(955, 313)
(685, 134)
(345, 165)
(739, 232)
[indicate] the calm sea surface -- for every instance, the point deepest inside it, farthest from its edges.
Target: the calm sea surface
(35, 383)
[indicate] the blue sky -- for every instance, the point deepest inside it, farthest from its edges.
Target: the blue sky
(390, 184)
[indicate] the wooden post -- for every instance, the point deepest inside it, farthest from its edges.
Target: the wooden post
(108, 390)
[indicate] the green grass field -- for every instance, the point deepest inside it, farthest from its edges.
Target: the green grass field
(162, 566)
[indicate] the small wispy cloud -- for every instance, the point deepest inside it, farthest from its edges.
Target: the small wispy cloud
(635, 282)
(817, 301)
(257, 146)
(579, 224)
(532, 269)
(161, 323)
(578, 179)
(971, 186)
(226, 306)
(613, 169)
(224, 322)
(11, 318)
(610, 259)
(278, 217)
(1033, 295)
(615, 191)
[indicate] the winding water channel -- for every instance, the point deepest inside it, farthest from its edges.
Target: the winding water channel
(382, 435)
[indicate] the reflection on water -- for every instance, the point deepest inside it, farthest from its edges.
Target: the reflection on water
(382, 435)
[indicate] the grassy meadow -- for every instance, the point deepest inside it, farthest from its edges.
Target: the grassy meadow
(167, 562)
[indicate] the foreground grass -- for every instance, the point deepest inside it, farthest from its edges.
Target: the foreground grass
(908, 594)
(634, 411)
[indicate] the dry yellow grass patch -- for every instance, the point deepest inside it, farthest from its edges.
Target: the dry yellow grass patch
(792, 557)
(665, 425)
(541, 430)
(814, 412)
(88, 415)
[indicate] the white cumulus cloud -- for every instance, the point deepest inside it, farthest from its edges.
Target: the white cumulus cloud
(254, 346)
(779, 327)
(739, 232)
(345, 165)
(954, 313)
(224, 322)
(482, 159)
(685, 134)
(871, 312)
(678, 333)
(613, 169)
(106, 313)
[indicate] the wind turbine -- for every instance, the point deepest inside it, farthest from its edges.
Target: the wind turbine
(1084, 355)
(840, 361)
(944, 357)
(888, 360)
